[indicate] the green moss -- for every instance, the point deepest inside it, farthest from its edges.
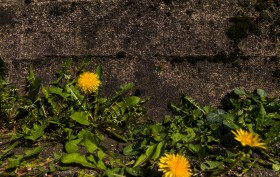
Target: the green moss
(241, 28)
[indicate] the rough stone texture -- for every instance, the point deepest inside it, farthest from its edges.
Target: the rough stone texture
(134, 39)
(167, 47)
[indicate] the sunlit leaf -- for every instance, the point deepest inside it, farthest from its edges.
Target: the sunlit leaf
(176, 137)
(72, 145)
(276, 166)
(144, 157)
(240, 91)
(81, 118)
(78, 159)
(36, 133)
(261, 93)
(99, 72)
(159, 150)
(132, 100)
(35, 151)
(140, 160)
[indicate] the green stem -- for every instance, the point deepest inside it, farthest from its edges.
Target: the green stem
(250, 167)
(269, 157)
(232, 166)
(81, 104)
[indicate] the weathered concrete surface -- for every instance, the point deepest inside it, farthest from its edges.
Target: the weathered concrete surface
(166, 47)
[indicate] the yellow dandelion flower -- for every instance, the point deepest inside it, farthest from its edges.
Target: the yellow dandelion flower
(174, 166)
(88, 82)
(248, 139)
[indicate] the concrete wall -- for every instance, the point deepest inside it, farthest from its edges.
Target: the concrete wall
(167, 47)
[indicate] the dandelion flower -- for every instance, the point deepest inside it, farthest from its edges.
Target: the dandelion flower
(174, 166)
(88, 82)
(248, 139)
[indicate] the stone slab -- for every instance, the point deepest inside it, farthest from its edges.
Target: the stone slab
(133, 39)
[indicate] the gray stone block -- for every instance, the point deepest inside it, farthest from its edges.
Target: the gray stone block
(133, 39)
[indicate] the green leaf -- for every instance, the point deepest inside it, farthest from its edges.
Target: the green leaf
(80, 117)
(261, 93)
(90, 141)
(58, 91)
(150, 150)
(35, 151)
(273, 116)
(140, 160)
(194, 148)
(276, 166)
(132, 101)
(92, 159)
(74, 92)
(114, 172)
(12, 163)
(240, 91)
(11, 147)
(126, 87)
(229, 121)
(129, 151)
(72, 145)
(113, 131)
(78, 159)
(215, 116)
(176, 137)
(194, 103)
(134, 171)
(31, 76)
(261, 118)
(159, 150)
(209, 165)
(101, 154)
(144, 157)
(34, 89)
(34, 85)
(99, 72)
(90, 145)
(101, 165)
(36, 132)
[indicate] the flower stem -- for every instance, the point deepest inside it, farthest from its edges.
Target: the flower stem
(81, 104)
(233, 165)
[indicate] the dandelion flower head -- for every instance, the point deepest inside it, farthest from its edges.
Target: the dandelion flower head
(174, 166)
(248, 139)
(88, 82)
